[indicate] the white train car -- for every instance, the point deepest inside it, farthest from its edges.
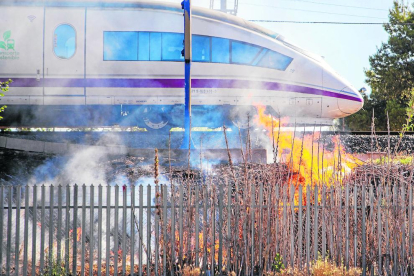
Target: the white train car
(102, 63)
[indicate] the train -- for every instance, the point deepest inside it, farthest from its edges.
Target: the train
(106, 63)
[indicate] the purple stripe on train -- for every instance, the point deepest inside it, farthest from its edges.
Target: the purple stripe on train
(178, 83)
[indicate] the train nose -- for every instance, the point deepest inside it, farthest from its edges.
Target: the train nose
(352, 101)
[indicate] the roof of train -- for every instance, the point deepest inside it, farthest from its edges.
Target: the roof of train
(198, 11)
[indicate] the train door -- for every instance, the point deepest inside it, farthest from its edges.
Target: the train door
(64, 56)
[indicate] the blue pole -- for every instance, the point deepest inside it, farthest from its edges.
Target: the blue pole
(187, 142)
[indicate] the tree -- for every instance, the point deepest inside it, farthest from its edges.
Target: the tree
(4, 87)
(390, 76)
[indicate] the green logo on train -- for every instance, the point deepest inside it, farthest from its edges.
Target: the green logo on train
(8, 43)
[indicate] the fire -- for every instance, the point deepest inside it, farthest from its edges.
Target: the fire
(309, 162)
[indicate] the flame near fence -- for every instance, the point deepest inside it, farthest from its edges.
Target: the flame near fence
(156, 230)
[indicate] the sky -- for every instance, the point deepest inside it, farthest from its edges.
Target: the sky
(345, 47)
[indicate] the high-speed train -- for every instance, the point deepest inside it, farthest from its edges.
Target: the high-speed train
(106, 63)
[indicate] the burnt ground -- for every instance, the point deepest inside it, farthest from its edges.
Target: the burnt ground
(19, 167)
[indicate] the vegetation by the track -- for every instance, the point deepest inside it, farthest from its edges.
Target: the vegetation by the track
(4, 87)
(391, 77)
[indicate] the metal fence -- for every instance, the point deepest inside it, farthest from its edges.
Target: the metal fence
(158, 229)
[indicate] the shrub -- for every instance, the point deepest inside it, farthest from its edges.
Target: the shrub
(318, 268)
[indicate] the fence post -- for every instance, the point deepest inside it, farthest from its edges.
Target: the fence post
(148, 230)
(323, 221)
(42, 233)
(51, 227)
(205, 205)
(1, 225)
(181, 218)
(363, 232)
(308, 191)
(340, 226)
(116, 229)
(347, 226)
(197, 225)
(404, 222)
(132, 225)
(315, 225)
(277, 219)
(9, 230)
(100, 230)
(371, 218)
(108, 227)
(124, 224)
(141, 243)
(59, 226)
(229, 237)
(189, 221)
(67, 219)
(213, 230)
(355, 224)
(26, 225)
(157, 215)
(410, 225)
(220, 226)
(379, 191)
(197, 230)
(173, 261)
(292, 225)
(300, 226)
(17, 247)
(284, 225)
(268, 243)
(387, 239)
(91, 228)
(236, 242)
(83, 229)
(164, 226)
(34, 228)
(260, 227)
(331, 228)
(252, 219)
(75, 229)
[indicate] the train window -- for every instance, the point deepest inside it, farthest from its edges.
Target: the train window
(64, 41)
(201, 48)
(120, 46)
(259, 57)
(220, 50)
(275, 60)
(172, 45)
(143, 46)
(155, 46)
(243, 53)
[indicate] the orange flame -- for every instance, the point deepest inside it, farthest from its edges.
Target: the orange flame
(308, 161)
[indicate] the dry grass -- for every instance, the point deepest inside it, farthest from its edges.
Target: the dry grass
(319, 268)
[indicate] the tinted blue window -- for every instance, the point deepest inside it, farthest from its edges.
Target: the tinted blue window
(155, 46)
(143, 46)
(243, 53)
(64, 41)
(201, 48)
(220, 50)
(275, 60)
(259, 57)
(172, 45)
(120, 46)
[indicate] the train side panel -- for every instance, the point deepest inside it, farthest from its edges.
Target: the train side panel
(21, 53)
